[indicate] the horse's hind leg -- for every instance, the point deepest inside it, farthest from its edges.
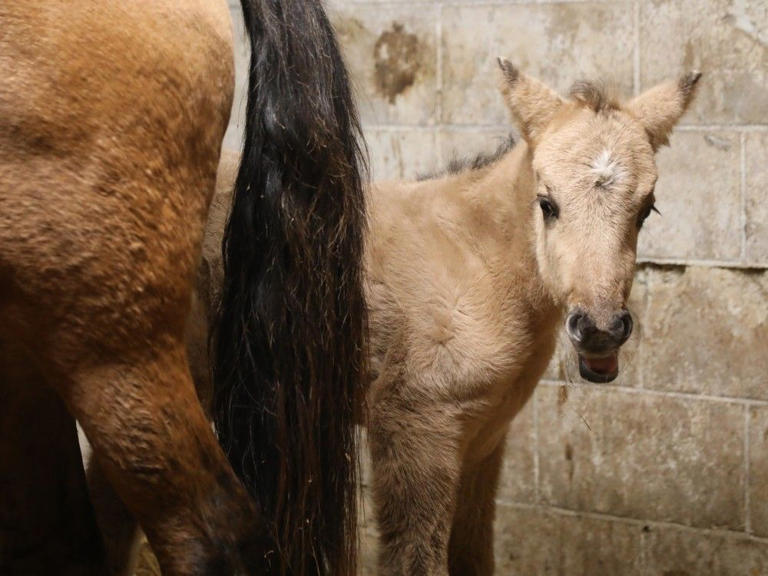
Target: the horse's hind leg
(119, 529)
(47, 524)
(149, 433)
(471, 549)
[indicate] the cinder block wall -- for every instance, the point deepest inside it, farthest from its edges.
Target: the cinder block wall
(664, 471)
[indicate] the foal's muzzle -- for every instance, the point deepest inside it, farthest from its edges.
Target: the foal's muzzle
(598, 347)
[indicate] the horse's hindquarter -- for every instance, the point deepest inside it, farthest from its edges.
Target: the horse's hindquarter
(111, 119)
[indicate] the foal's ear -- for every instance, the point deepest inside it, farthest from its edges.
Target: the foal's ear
(532, 104)
(659, 108)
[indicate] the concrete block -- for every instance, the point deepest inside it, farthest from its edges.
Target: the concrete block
(518, 482)
(366, 513)
(234, 135)
(642, 455)
(758, 469)
(543, 542)
(756, 198)
(698, 196)
(538, 38)
(401, 154)
(726, 40)
(391, 53)
(706, 331)
(673, 551)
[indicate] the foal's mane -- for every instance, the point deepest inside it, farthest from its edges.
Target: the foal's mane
(472, 163)
(595, 96)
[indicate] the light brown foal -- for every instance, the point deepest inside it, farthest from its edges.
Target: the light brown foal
(469, 277)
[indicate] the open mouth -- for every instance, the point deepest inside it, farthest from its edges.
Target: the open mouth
(599, 370)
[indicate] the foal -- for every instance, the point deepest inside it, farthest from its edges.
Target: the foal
(469, 276)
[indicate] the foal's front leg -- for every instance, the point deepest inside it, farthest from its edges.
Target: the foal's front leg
(471, 547)
(416, 473)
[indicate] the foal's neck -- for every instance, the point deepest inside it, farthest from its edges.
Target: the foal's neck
(507, 188)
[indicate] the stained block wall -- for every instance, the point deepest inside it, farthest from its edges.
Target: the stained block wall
(664, 471)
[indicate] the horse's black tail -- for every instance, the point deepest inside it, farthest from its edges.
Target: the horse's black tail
(289, 339)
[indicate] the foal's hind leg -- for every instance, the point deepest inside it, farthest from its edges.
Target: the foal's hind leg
(415, 479)
(47, 524)
(471, 548)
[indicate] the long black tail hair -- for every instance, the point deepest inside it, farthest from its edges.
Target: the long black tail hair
(289, 338)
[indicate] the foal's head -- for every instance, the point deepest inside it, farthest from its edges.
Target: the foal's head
(594, 176)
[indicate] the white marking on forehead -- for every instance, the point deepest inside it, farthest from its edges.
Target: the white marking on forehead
(607, 170)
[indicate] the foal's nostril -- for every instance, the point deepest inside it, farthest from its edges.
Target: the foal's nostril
(573, 326)
(622, 326)
(580, 327)
(585, 334)
(628, 325)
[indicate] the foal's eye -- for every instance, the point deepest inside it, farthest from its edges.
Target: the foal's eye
(645, 213)
(548, 208)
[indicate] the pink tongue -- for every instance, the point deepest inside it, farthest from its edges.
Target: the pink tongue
(607, 365)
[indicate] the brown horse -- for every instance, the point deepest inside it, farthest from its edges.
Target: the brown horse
(469, 275)
(111, 121)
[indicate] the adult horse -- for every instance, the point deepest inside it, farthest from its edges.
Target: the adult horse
(111, 121)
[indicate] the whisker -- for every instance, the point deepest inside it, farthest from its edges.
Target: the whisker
(570, 382)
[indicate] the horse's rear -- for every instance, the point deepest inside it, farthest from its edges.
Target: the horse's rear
(111, 119)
